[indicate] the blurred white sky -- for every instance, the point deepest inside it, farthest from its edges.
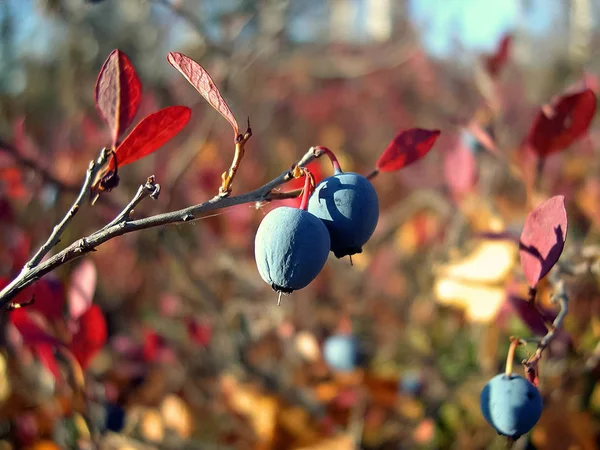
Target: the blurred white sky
(475, 25)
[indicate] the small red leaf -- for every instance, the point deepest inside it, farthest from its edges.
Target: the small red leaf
(118, 93)
(496, 62)
(82, 288)
(201, 80)
(406, 148)
(32, 332)
(199, 332)
(559, 125)
(543, 238)
(152, 132)
(91, 336)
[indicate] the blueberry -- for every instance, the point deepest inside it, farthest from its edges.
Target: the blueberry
(115, 417)
(342, 352)
(511, 404)
(347, 203)
(290, 248)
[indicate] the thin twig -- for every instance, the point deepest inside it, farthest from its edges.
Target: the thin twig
(150, 189)
(560, 296)
(54, 237)
(30, 274)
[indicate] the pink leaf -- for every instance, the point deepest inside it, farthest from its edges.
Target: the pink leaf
(201, 80)
(154, 131)
(118, 93)
(559, 125)
(460, 169)
(406, 148)
(81, 290)
(543, 238)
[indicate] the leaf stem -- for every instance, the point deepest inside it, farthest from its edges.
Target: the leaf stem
(334, 161)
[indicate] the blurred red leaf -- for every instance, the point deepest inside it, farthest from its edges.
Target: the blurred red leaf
(152, 132)
(204, 84)
(496, 62)
(118, 93)
(49, 297)
(199, 332)
(543, 238)
(558, 126)
(45, 353)
(406, 148)
(535, 317)
(32, 332)
(153, 342)
(82, 288)
(91, 336)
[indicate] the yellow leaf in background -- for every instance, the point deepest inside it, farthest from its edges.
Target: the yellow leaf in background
(481, 303)
(338, 443)
(176, 415)
(261, 410)
(307, 346)
(475, 283)
(478, 212)
(490, 262)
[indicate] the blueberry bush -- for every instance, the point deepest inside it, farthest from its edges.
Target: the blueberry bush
(386, 249)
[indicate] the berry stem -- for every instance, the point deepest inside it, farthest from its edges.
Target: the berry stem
(514, 342)
(334, 161)
(309, 184)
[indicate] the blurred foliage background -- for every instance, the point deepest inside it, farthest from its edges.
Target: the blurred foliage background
(198, 355)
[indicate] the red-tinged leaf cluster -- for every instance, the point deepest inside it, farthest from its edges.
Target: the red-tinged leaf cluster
(204, 84)
(406, 148)
(47, 324)
(559, 125)
(543, 239)
(118, 97)
(497, 61)
(118, 93)
(152, 132)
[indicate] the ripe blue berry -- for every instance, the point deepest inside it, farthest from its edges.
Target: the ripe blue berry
(511, 404)
(347, 203)
(290, 248)
(341, 352)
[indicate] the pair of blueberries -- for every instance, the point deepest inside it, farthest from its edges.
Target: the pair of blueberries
(292, 245)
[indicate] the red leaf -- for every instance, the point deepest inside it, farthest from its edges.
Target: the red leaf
(45, 354)
(199, 332)
(496, 62)
(406, 148)
(32, 332)
(152, 132)
(558, 126)
(535, 317)
(91, 336)
(81, 290)
(118, 93)
(201, 80)
(543, 238)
